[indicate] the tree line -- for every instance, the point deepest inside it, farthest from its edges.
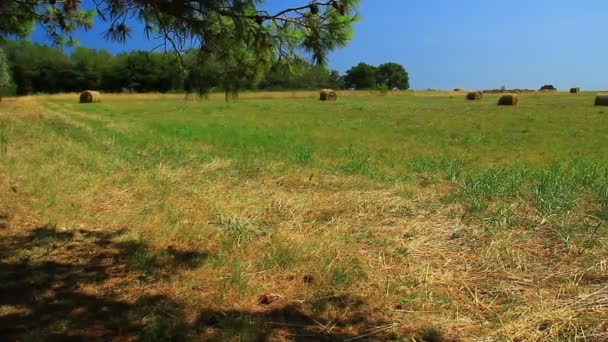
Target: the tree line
(234, 44)
(36, 68)
(388, 75)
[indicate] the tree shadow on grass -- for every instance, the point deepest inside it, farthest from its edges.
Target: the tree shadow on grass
(332, 318)
(93, 285)
(76, 285)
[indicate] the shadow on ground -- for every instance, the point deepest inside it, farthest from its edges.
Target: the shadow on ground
(333, 318)
(95, 285)
(79, 285)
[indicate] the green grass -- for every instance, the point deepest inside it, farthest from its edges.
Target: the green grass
(418, 202)
(391, 131)
(492, 151)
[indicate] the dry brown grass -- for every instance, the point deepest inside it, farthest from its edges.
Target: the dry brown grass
(392, 258)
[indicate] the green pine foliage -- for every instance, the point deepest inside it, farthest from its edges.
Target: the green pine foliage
(309, 25)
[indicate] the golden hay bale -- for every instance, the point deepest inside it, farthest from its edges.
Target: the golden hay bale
(90, 96)
(474, 95)
(508, 100)
(328, 95)
(575, 90)
(601, 100)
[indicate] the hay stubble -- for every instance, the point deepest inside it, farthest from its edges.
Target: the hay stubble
(359, 217)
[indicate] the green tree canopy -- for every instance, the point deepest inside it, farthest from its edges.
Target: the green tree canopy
(89, 65)
(393, 75)
(361, 76)
(36, 68)
(388, 75)
(335, 80)
(300, 74)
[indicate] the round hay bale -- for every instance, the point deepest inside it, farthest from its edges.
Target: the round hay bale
(474, 95)
(508, 100)
(575, 90)
(328, 95)
(90, 96)
(601, 100)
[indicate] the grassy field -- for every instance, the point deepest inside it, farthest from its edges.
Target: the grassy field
(408, 216)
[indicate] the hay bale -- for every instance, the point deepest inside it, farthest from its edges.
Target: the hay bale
(508, 100)
(474, 95)
(328, 95)
(457, 89)
(601, 100)
(575, 90)
(90, 96)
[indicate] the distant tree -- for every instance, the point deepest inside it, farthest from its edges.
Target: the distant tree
(282, 74)
(140, 71)
(37, 68)
(361, 76)
(335, 80)
(89, 67)
(548, 87)
(115, 76)
(393, 75)
(298, 73)
(4, 72)
(315, 77)
(169, 73)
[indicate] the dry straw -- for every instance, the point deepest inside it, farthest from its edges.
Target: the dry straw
(328, 95)
(90, 96)
(474, 95)
(601, 100)
(508, 100)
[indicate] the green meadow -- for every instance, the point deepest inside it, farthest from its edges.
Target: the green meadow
(390, 131)
(407, 215)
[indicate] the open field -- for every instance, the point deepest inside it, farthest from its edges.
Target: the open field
(411, 216)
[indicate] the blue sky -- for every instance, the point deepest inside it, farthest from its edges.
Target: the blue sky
(468, 44)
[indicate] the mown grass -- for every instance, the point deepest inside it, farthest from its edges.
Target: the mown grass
(391, 129)
(477, 220)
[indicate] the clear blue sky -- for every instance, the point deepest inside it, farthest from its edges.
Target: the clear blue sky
(468, 44)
